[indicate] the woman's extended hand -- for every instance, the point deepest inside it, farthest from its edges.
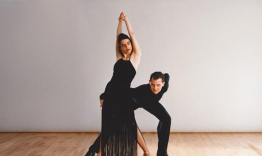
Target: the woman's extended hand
(122, 16)
(120, 19)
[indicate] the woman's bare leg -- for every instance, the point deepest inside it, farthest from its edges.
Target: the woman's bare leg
(99, 152)
(141, 142)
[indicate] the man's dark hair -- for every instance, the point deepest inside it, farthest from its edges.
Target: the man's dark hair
(157, 75)
(119, 39)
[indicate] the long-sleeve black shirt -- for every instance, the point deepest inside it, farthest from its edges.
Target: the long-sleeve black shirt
(143, 95)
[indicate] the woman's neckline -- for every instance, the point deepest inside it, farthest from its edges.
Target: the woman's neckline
(125, 60)
(128, 61)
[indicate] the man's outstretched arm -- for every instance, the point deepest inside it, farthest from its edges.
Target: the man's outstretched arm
(133, 93)
(166, 82)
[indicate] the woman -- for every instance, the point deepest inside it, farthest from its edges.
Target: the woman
(120, 133)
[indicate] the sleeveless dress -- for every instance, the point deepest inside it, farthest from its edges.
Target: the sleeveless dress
(119, 128)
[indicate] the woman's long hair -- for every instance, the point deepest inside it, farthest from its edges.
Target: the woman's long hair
(119, 39)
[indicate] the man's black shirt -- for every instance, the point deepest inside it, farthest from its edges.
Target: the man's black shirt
(143, 95)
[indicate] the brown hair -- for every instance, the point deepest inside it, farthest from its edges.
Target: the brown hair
(157, 75)
(119, 39)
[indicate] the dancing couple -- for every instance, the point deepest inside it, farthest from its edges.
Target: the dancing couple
(120, 133)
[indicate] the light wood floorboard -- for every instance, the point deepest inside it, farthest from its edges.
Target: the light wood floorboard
(180, 144)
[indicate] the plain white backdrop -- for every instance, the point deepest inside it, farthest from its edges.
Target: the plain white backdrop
(56, 57)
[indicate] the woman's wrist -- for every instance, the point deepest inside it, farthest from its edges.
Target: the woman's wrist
(125, 18)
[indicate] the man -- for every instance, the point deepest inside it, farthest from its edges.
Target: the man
(147, 96)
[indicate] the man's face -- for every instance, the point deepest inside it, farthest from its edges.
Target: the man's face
(156, 85)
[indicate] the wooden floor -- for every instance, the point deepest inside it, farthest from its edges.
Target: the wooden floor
(180, 144)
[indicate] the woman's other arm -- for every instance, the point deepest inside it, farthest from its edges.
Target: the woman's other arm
(119, 31)
(135, 56)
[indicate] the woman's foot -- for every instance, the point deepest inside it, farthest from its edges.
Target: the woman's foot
(146, 153)
(99, 154)
(89, 153)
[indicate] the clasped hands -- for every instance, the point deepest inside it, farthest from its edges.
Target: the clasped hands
(122, 17)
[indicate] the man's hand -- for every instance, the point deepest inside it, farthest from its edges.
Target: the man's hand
(101, 102)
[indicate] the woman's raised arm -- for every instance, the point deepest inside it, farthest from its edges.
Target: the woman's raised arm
(119, 31)
(135, 57)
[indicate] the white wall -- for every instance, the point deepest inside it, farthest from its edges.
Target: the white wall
(57, 56)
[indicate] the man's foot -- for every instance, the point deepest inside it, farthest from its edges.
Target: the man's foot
(162, 154)
(89, 153)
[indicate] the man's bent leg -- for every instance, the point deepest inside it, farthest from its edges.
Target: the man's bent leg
(159, 128)
(163, 127)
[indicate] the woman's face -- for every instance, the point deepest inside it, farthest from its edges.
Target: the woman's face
(126, 46)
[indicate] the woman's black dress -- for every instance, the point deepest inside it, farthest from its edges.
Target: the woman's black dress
(119, 128)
